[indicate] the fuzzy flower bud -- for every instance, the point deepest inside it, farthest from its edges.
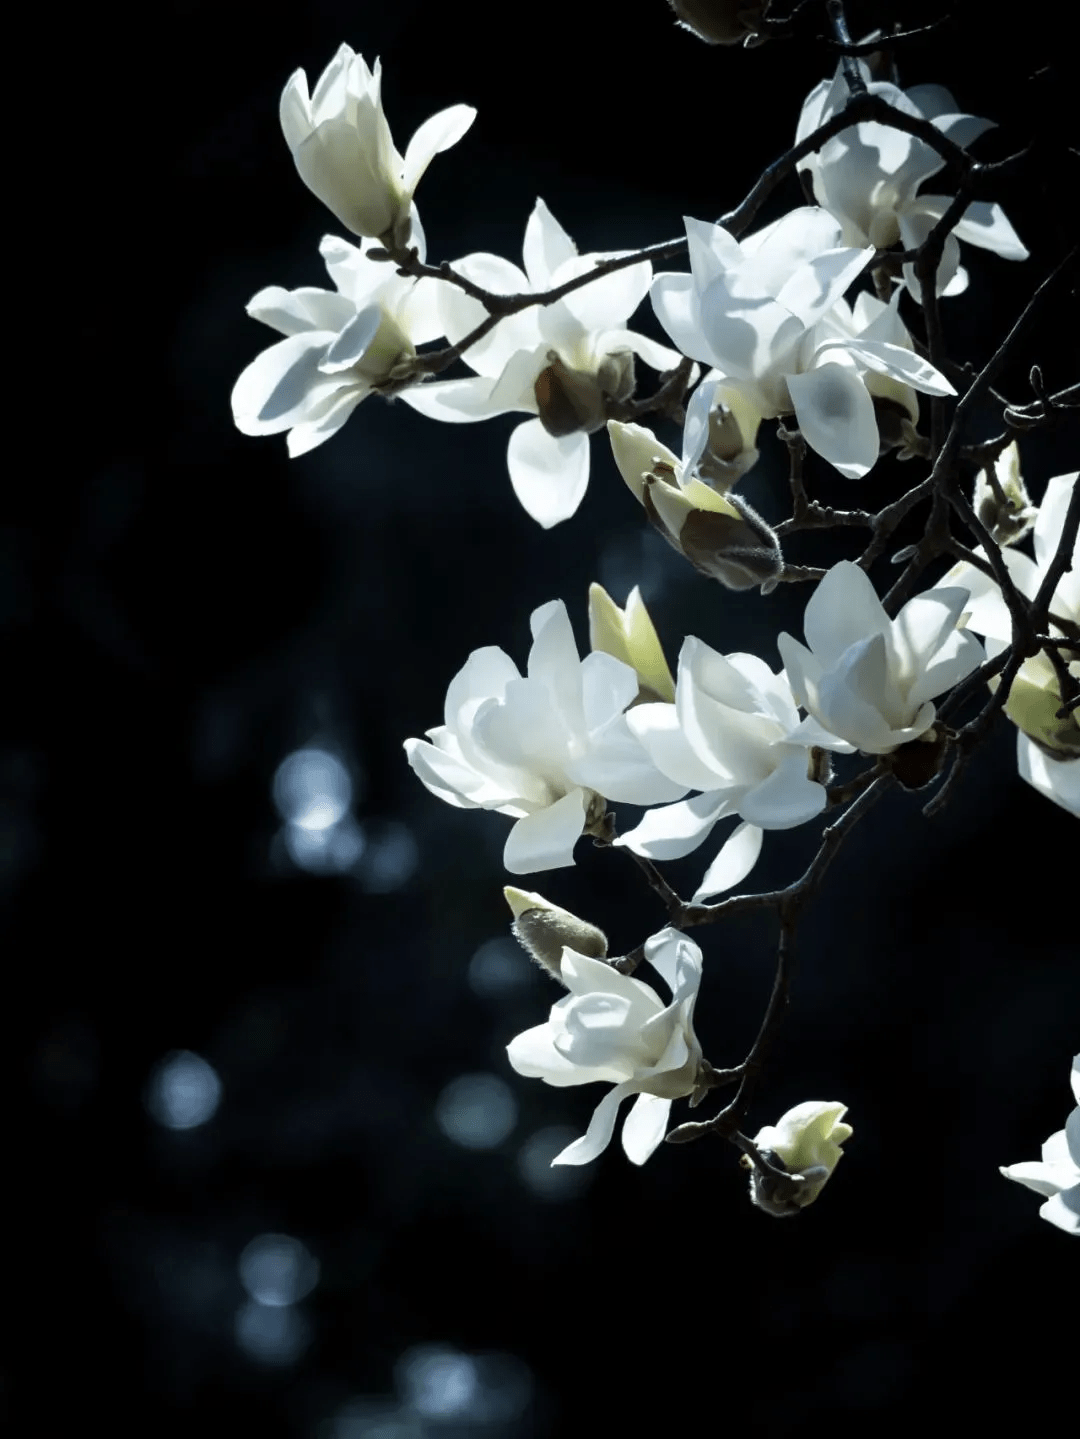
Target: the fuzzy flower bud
(1008, 515)
(629, 635)
(721, 22)
(805, 1142)
(544, 930)
(570, 400)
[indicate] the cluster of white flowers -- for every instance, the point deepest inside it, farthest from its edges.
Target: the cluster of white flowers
(767, 326)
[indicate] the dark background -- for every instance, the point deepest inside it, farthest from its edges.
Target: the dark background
(185, 607)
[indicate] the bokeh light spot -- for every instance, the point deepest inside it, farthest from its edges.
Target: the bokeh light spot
(184, 1091)
(272, 1336)
(476, 1111)
(534, 1164)
(499, 966)
(312, 789)
(277, 1270)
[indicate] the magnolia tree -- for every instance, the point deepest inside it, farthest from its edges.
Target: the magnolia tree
(831, 324)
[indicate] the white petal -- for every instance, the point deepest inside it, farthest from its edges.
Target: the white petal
(448, 778)
(435, 134)
(350, 346)
(598, 1135)
(675, 304)
(293, 311)
(660, 731)
(644, 1127)
(675, 830)
(900, 364)
(658, 356)
(455, 401)
(986, 225)
(547, 246)
(1058, 780)
(278, 388)
(836, 417)
(1033, 1175)
(608, 301)
(546, 839)
(815, 287)
(787, 798)
(737, 857)
(1063, 1210)
(325, 420)
(843, 610)
(549, 473)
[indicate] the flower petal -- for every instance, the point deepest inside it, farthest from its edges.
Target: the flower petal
(787, 798)
(737, 857)
(546, 839)
(547, 246)
(437, 133)
(281, 385)
(549, 473)
(644, 1127)
(836, 416)
(674, 830)
(601, 1126)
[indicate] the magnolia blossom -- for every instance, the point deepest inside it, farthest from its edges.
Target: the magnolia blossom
(1048, 748)
(630, 635)
(1057, 1176)
(541, 749)
(807, 1141)
(727, 734)
(564, 363)
(343, 150)
(340, 345)
(754, 311)
(616, 1029)
(868, 176)
(715, 529)
(866, 680)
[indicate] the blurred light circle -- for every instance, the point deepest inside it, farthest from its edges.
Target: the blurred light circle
(184, 1091)
(390, 858)
(272, 1336)
(373, 1419)
(476, 1111)
(534, 1158)
(277, 1270)
(312, 789)
(439, 1382)
(499, 966)
(333, 849)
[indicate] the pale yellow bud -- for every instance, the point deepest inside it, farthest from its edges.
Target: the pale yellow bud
(629, 635)
(1011, 514)
(637, 452)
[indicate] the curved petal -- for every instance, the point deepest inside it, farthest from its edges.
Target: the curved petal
(547, 246)
(324, 423)
(454, 401)
(644, 1127)
(674, 830)
(737, 857)
(549, 473)
(987, 226)
(1063, 1210)
(658, 728)
(609, 300)
(836, 417)
(675, 304)
(601, 1126)
(437, 133)
(658, 356)
(281, 385)
(546, 839)
(787, 798)
(901, 364)
(350, 346)
(291, 312)
(1058, 780)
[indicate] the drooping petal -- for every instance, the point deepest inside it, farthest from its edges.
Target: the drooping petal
(836, 417)
(644, 1127)
(787, 798)
(277, 389)
(324, 420)
(455, 401)
(674, 830)
(598, 1135)
(546, 839)
(437, 133)
(549, 473)
(737, 857)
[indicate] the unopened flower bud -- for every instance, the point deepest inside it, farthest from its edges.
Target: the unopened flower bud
(805, 1143)
(544, 930)
(720, 535)
(730, 450)
(1008, 515)
(1033, 705)
(629, 635)
(720, 22)
(637, 454)
(569, 400)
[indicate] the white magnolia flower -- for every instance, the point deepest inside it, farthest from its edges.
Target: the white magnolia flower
(807, 1140)
(1057, 1175)
(340, 345)
(563, 363)
(868, 177)
(754, 311)
(727, 734)
(613, 1028)
(1048, 748)
(343, 150)
(542, 748)
(868, 681)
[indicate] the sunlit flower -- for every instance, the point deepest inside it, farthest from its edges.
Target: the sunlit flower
(1057, 1175)
(807, 1142)
(1048, 747)
(869, 681)
(754, 311)
(727, 735)
(869, 176)
(546, 749)
(565, 363)
(615, 1029)
(343, 150)
(340, 345)
(630, 635)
